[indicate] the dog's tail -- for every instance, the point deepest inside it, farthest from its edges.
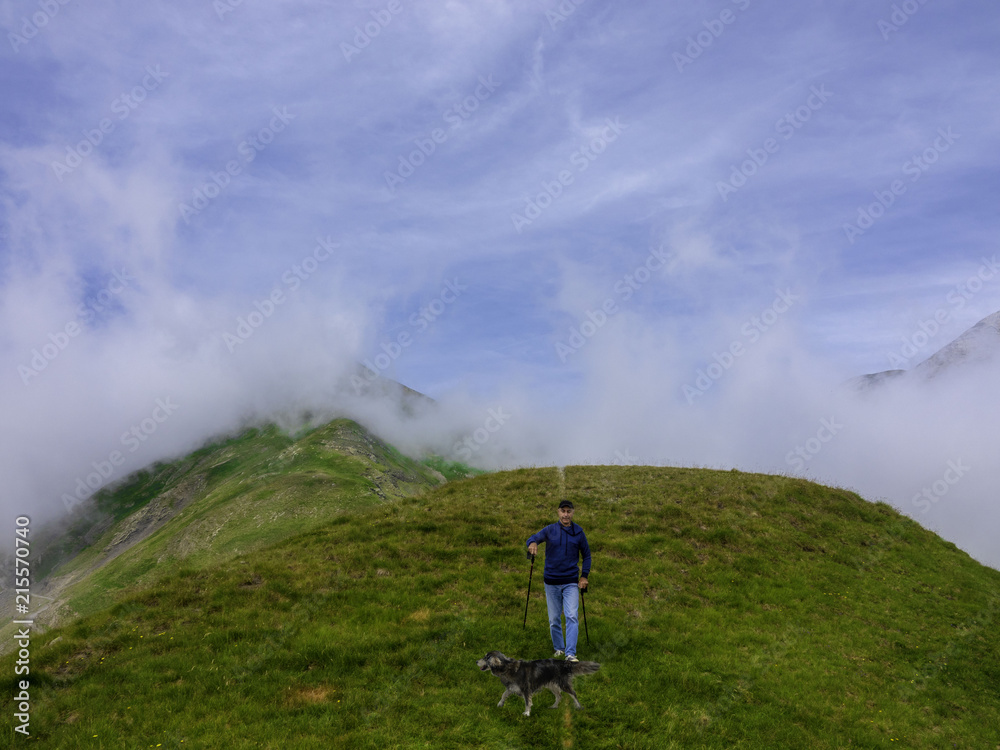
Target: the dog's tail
(585, 667)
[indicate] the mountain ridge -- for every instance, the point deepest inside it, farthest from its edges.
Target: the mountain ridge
(977, 345)
(232, 495)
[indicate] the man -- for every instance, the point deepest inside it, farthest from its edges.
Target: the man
(564, 543)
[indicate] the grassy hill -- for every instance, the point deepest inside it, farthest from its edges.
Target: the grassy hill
(728, 610)
(229, 498)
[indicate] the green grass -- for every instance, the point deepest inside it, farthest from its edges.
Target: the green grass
(728, 610)
(234, 496)
(452, 470)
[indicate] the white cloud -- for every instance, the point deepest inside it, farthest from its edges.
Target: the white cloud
(323, 176)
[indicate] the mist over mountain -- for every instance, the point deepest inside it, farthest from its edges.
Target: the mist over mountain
(925, 444)
(591, 233)
(979, 345)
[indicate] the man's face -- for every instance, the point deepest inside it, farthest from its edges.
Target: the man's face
(565, 516)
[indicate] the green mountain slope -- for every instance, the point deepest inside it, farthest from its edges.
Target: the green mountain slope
(728, 610)
(232, 497)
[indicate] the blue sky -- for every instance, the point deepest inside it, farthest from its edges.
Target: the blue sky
(662, 183)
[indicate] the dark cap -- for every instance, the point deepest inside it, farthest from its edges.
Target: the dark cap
(566, 504)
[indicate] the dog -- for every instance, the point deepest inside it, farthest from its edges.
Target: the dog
(525, 678)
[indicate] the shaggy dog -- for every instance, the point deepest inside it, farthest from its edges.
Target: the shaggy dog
(525, 678)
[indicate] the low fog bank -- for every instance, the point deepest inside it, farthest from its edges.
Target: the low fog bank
(144, 391)
(927, 447)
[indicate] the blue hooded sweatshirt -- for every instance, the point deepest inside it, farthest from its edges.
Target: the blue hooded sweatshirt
(563, 547)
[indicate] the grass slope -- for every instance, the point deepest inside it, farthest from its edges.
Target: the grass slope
(728, 610)
(232, 497)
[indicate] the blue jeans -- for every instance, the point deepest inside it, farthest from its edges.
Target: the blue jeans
(563, 599)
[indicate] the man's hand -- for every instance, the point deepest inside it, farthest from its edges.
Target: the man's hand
(533, 549)
(583, 584)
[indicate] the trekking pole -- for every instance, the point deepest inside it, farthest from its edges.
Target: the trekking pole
(583, 601)
(525, 623)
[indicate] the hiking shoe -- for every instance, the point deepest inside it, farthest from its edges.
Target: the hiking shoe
(558, 653)
(572, 657)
